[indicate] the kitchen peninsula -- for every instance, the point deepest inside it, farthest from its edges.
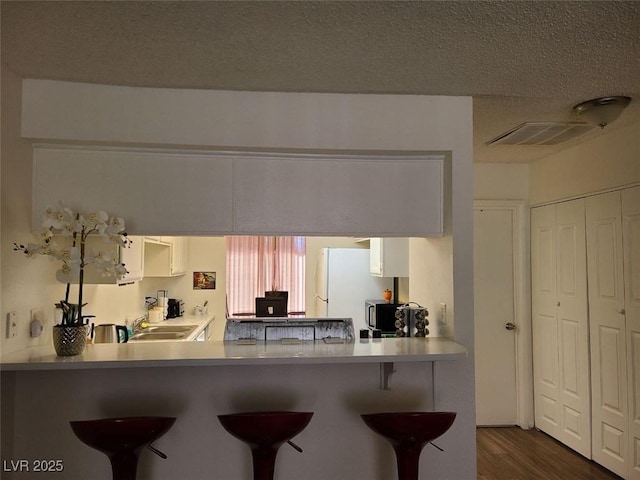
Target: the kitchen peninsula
(195, 381)
(232, 189)
(219, 353)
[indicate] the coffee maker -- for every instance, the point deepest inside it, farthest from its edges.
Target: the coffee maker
(175, 308)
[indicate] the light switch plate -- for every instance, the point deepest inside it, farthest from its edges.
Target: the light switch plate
(443, 313)
(12, 325)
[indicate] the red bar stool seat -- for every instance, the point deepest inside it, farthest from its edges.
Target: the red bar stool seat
(408, 433)
(121, 439)
(264, 433)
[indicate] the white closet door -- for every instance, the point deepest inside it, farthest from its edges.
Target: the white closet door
(607, 326)
(560, 324)
(544, 323)
(573, 327)
(631, 235)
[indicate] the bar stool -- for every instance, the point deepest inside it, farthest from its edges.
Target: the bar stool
(264, 433)
(121, 439)
(408, 433)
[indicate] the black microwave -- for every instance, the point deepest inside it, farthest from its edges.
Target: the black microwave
(381, 315)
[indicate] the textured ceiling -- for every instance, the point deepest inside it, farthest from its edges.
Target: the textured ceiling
(521, 61)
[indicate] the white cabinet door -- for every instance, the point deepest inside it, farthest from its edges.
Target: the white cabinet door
(560, 324)
(389, 257)
(185, 193)
(154, 191)
(131, 256)
(179, 255)
(315, 195)
(608, 345)
(133, 259)
(375, 256)
(631, 236)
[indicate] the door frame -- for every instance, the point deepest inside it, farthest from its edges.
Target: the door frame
(522, 304)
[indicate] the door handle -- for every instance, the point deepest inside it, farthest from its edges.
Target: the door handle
(510, 326)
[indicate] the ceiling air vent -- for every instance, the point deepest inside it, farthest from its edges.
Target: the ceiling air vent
(541, 133)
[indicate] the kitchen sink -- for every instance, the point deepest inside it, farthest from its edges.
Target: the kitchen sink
(171, 328)
(159, 336)
(164, 332)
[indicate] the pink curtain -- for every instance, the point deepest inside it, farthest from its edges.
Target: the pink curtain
(259, 264)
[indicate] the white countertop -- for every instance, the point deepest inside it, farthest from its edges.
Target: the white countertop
(217, 353)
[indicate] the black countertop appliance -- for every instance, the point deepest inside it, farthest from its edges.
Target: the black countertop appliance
(176, 308)
(381, 315)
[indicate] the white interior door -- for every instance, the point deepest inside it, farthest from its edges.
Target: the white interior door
(560, 324)
(544, 323)
(495, 344)
(631, 235)
(573, 327)
(608, 332)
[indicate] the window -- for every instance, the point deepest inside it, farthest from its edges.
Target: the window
(259, 264)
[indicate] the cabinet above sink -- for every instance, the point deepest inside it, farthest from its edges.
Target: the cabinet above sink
(132, 256)
(165, 256)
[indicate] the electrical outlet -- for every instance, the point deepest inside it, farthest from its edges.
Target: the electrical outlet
(443, 313)
(12, 325)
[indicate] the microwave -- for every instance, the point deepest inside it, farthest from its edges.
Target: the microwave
(381, 315)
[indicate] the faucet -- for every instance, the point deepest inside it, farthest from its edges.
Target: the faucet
(136, 325)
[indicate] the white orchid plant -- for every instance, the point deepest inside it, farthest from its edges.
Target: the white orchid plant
(64, 237)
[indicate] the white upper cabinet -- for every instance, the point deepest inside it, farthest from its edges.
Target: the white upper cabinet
(339, 195)
(154, 191)
(179, 256)
(167, 257)
(132, 256)
(133, 259)
(202, 193)
(389, 257)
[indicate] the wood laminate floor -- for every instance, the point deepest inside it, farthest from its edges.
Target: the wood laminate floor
(510, 453)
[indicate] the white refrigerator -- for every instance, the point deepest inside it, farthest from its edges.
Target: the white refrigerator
(344, 282)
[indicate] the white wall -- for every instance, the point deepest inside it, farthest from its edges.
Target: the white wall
(499, 181)
(26, 283)
(59, 111)
(608, 161)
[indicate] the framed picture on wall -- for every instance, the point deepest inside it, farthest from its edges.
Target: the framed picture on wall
(204, 280)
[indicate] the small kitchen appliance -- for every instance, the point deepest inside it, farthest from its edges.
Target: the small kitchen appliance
(175, 308)
(109, 333)
(381, 315)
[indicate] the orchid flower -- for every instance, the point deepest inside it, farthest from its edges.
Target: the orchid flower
(63, 237)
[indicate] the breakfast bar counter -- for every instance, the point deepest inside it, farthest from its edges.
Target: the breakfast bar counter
(219, 353)
(196, 381)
